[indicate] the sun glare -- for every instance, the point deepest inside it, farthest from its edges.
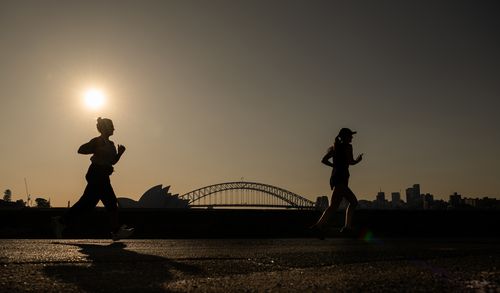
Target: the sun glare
(94, 98)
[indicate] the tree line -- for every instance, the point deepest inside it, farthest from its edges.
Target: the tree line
(7, 201)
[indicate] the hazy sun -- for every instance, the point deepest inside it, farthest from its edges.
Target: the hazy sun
(94, 98)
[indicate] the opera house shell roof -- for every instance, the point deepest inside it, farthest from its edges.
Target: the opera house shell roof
(156, 197)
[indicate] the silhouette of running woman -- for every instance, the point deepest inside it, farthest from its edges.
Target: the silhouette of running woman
(104, 156)
(341, 155)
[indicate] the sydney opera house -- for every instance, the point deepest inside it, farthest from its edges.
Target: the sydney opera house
(156, 197)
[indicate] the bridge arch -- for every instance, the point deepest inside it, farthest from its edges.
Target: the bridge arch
(289, 199)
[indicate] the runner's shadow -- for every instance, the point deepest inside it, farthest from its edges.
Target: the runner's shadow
(112, 268)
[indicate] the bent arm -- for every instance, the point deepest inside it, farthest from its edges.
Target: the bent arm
(353, 161)
(121, 150)
(117, 158)
(87, 148)
(326, 158)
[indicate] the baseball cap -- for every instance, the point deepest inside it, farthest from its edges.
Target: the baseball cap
(346, 131)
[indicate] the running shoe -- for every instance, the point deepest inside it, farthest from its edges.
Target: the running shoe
(122, 233)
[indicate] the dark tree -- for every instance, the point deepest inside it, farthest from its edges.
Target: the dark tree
(7, 195)
(42, 203)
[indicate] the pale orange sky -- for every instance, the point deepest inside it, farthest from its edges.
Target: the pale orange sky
(205, 92)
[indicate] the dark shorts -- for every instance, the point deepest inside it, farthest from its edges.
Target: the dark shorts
(339, 177)
(99, 187)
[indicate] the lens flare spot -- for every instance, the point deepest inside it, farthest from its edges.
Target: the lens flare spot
(369, 237)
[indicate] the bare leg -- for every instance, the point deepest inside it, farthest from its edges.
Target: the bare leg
(84, 205)
(353, 202)
(334, 204)
(109, 200)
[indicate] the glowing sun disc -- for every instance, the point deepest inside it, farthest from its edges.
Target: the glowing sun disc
(94, 98)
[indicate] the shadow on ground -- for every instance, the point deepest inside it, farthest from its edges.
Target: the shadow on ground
(112, 268)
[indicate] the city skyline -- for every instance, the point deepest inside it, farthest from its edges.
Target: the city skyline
(263, 196)
(209, 92)
(375, 195)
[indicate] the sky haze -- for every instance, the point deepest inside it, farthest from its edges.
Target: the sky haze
(205, 92)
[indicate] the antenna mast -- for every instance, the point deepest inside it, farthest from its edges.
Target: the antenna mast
(28, 196)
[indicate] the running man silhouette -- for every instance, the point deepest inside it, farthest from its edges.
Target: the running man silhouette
(341, 155)
(104, 156)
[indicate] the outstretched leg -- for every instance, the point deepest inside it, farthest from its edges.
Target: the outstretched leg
(85, 204)
(334, 205)
(110, 202)
(353, 202)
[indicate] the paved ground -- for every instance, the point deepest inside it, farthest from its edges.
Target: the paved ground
(397, 265)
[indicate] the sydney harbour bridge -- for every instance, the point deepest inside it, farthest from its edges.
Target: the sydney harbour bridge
(246, 194)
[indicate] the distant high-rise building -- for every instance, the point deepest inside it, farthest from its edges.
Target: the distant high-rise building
(396, 200)
(473, 202)
(321, 203)
(409, 195)
(455, 200)
(428, 201)
(413, 197)
(488, 203)
(416, 188)
(380, 202)
(381, 196)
